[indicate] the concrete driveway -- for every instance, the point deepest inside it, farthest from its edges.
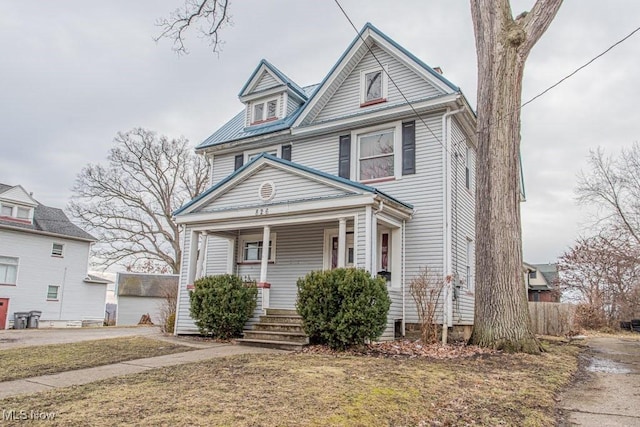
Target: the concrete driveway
(12, 338)
(608, 395)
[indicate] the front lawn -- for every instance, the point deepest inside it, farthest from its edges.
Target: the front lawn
(27, 362)
(320, 390)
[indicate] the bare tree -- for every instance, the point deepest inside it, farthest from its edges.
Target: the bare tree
(602, 273)
(128, 203)
(212, 15)
(503, 44)
(613, 184)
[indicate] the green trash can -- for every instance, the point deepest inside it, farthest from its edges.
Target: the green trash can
(34, 319)
(20, 319)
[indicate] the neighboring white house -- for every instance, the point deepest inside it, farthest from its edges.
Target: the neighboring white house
(43, 265)
(374, 168)
(139, 294)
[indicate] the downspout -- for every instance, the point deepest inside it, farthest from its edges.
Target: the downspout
(447, 309)
(404, 304)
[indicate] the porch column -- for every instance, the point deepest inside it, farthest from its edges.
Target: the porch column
(193, 254)
(231, 255)
(342, 242)
(266, 236)
(202, 247)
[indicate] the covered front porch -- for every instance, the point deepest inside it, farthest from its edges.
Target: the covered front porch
(274, 243)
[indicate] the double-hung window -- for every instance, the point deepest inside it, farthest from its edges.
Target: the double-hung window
(6, 210)
(264, 111)
(376, 154)
(8, 270)
(252, 247)
(52, 292)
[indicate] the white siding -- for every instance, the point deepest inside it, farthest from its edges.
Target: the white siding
(266, 81)
(37, 270)
(292, 106)
(318, 153)
(184, 323)
(346, 100)
(18, 195)
(463, 223)
(289, 187)
(223, 166)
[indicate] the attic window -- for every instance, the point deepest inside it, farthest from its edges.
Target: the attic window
(265, 111)
(23, 213)
(7, 210)
(17, 212)
(373, 86)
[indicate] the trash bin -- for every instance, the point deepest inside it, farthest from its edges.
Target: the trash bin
(34, 319)
(20, 320)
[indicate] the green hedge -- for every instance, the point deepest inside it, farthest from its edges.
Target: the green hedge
(342, 307)
(221, 305)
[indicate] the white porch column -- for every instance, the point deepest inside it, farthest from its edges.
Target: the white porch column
(266, 235)
(202, 247)
(374, 244)
(231, 255)
(193, 254)
(342, 242)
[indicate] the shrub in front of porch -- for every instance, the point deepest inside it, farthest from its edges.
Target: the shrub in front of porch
(342, 307)
(221, 305)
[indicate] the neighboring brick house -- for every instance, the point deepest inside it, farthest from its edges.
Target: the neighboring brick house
(43, 264)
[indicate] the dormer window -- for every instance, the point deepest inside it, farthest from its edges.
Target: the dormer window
(373, 84)
(17, 212)
(264, 111)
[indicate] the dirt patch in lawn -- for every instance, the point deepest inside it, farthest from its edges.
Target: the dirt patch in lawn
(318, 390)
(50, 359)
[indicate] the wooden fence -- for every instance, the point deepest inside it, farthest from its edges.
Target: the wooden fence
(551, 318)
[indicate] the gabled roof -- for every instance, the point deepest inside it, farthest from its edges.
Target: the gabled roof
(360, 44)
(16, 194)
(146, 285)
(265, 65)
(234, 129)
(549, 272)
(47, 220)
(287, 164)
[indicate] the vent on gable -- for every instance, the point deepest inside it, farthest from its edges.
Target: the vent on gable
(267, 191)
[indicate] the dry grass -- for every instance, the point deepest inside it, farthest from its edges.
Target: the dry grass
(320, 390)
(50, 359)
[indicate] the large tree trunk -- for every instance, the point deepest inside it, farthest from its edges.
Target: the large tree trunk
(503, 44)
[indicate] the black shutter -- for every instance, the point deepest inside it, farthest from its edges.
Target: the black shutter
(344, 157)
(286, 152)
(239, 161)
(408, 148)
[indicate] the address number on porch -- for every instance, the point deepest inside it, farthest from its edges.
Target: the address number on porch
(262, 211)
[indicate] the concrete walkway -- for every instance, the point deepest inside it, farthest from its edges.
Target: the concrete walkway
(609, 393)
(89, 375)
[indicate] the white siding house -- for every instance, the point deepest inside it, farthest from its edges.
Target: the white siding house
(373, 168)
(43, 265)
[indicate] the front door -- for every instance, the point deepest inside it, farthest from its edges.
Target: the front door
(4, 309)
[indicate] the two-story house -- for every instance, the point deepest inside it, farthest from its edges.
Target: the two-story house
(373, 168)
(43, 265)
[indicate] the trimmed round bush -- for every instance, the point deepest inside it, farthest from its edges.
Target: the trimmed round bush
(342, 307)
(221, 305)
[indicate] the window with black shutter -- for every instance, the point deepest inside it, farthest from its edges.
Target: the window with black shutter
(286, 152)
(239, 161)
(408, 148)
(344, 157)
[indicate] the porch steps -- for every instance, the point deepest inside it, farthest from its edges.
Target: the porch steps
(279, 328)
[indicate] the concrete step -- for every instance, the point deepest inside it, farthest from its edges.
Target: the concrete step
(291, 337)
(281, 345)
(281, 312)
(281, 327)
(297, 320)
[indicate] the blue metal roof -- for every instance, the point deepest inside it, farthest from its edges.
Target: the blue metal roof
(298, 166)
(234, 129)
(290, 83)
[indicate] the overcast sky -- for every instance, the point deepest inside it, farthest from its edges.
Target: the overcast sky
(73, 73)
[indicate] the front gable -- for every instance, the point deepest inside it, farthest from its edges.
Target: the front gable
(268, 181)
(343, 92)
(18, 195)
